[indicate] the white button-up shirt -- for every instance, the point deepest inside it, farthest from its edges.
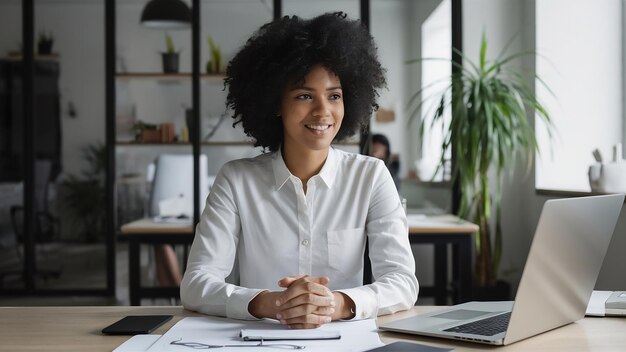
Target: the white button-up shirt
(257, 217)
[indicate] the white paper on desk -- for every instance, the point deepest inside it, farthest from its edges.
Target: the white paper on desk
(596, 308)
(137, 343)
(355, 335)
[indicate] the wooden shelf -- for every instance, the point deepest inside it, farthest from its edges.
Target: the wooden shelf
(209, 143)
(166, 76)
(17, 56)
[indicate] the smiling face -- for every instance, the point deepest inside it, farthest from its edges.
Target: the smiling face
(312, 112)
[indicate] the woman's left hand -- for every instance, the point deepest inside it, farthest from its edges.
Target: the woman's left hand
(306, 303)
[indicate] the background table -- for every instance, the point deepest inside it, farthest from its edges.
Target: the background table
(78, 329)
(441, 231)
(148, 231)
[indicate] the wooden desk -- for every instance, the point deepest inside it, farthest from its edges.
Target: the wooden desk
(78, 329)
(148, 231)
(441, 231)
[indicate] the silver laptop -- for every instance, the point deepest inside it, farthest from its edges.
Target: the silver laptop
(564, 261)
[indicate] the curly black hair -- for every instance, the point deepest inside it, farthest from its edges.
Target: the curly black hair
(283, 52)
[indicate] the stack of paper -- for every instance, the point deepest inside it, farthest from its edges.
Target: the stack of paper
(607, 303)
(355, 335)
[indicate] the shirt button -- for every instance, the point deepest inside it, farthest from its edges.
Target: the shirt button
(305, 242)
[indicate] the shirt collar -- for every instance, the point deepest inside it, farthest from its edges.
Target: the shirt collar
(281, 172)
(329, 170)
(327, 173)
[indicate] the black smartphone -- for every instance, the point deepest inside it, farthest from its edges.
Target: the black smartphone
(136, 324)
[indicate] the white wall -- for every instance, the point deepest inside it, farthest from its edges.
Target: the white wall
(11, 20)
(521, 206)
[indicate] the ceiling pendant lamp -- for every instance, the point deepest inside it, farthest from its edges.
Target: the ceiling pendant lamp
(166, 14)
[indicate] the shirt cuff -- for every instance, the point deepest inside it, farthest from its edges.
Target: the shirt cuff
(237, 304)
(365, 302)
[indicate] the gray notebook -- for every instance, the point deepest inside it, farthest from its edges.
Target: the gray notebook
(408, 347)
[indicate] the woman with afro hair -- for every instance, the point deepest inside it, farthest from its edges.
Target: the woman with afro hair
(283, 234)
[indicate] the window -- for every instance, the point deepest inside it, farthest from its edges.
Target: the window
(580, 58)
(436, 43)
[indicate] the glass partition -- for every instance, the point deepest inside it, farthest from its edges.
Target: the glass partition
(69, 103)
(69, 253)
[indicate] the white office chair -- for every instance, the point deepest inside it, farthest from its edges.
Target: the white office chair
(171, 198)
(173, 182)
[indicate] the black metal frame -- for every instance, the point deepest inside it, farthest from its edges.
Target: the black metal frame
(278, 9)
(28, 35)
(195, 102)
(109, 38)
(457, 61)
(364, 9)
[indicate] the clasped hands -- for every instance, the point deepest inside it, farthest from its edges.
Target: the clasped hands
(306, 303)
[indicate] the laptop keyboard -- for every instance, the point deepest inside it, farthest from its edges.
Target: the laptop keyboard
(486, 327)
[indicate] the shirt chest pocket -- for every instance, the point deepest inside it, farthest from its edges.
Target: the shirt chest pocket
(345, 251)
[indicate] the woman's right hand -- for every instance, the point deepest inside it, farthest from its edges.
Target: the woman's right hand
(306, 303)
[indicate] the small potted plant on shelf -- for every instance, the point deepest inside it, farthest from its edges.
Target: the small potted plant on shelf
(146, 132)
(44, 43)
(214, 65)
(170, 56)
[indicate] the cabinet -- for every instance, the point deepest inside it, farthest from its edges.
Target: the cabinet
(46, 113)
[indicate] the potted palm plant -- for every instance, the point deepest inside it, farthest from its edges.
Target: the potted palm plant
(170, 56)
(84, 195)
(489, 128)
